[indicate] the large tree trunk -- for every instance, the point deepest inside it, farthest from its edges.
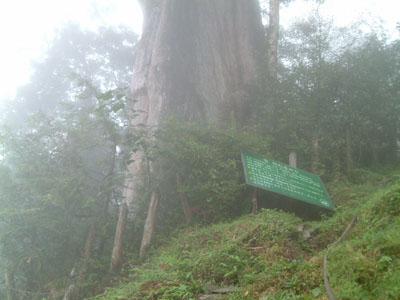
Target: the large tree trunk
(194, 56)
(197, 60)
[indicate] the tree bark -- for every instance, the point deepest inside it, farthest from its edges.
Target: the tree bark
(374, 152)
(315, 153)
(10, 287)
(273, 38)
(349, 152)
(187, 210)
(194, 55)
(108, 197)
(293, 159)
(198, 60)
(85, 259)
(149, 224)
(117, 249)
(254, 201)
(193, 58)
(272, 63)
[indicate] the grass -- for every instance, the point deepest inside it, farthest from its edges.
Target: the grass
(264, 257)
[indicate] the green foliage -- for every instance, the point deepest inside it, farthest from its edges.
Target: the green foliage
(372, 257)
(340, 89)
(56, 182)
(208, 159)
(221, 254)
(62, 168)
(264, 258)
(69, 139)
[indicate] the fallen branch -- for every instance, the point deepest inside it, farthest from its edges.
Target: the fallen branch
(255, 248)
(326, 281)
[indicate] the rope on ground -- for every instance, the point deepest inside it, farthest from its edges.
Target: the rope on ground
(326, 281)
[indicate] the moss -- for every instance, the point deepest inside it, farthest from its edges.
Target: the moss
(262, 256)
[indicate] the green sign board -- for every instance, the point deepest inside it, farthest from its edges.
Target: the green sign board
(274, 176)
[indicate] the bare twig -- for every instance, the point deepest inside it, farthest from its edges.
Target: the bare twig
(326, 281)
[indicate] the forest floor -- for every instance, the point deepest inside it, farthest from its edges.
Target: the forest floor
(276, 255)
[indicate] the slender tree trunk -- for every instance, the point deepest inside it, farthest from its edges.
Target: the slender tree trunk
(273, 38)
(69, 292)
(293, 159)
(85, 258)
(293, 164)
(149, 224)
(117, 249)
(272, 110)
(31, 282)
(349, 152)
(272, 59)
(187, 210)
(73, 290)
(10, 287)
(374, 152)
(108, 198)
(315, 153)
(254, 202)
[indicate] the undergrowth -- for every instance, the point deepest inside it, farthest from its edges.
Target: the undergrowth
(264, 257)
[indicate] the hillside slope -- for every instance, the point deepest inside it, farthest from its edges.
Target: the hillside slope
(265, 256)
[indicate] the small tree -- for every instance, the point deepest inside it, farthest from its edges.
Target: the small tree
(63, 162)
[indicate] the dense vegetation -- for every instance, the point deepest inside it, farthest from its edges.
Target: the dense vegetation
(66, 141)
(338, 97)
(264, 256)
(63, 146)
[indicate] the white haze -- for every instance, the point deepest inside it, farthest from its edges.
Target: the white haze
(27, 27)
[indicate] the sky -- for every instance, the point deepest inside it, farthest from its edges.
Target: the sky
(27, 27)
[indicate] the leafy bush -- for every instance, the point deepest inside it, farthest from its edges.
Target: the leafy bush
(209, 161)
